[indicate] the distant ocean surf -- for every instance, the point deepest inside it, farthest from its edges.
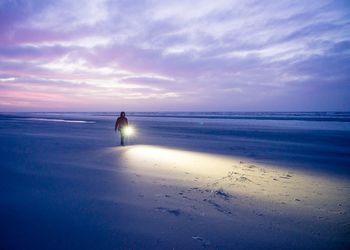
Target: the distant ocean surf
(55, 120)
(303, 116)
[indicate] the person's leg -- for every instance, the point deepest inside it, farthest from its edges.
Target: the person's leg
(121, 138)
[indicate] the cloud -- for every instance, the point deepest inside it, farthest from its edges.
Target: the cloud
(224, 54)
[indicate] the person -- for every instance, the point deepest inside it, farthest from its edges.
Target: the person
(121, 124)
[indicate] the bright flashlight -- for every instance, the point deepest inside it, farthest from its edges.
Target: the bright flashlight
(128, 131)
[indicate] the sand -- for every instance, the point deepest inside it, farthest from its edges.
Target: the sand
(65, 186)
(243, 196)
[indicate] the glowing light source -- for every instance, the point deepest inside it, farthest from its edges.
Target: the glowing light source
(128, 131)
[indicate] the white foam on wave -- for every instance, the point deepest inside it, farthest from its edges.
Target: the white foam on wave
(57, 120)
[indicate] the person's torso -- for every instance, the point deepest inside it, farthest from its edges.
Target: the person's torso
(122, 122)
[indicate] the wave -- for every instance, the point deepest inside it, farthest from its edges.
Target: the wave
(277, 116)
(300, 116)
(55, 120)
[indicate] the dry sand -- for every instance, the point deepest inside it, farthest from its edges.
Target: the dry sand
(241, 196)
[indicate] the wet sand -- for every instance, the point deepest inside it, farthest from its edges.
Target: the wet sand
(69, 186)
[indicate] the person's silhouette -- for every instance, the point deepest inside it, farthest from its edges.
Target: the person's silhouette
(121, 124)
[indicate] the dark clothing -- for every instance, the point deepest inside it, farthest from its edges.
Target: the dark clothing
(121, 124)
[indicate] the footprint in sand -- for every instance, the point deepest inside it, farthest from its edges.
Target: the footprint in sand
(251, 167)
(202, 240)
(243, 179)
(288, 176)
(218, 207)
(222, 194)
(175, 212)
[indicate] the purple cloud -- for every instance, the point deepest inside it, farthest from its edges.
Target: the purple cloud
(209, 55)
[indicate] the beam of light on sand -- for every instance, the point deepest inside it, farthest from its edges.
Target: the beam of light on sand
(163, 159)
(235, 176)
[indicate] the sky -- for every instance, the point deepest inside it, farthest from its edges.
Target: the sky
(150, 55)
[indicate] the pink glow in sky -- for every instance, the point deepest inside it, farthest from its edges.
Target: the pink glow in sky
(222, 55)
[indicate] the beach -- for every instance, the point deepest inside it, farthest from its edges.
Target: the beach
(183, 181)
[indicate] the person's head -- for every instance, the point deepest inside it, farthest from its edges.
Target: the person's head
(122, 114)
